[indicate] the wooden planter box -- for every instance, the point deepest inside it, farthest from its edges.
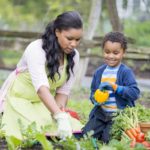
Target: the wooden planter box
(145, 127)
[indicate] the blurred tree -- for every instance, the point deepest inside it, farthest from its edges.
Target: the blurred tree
(93, 20)
(113, 15)
(21, 14)
(33, 15)
(125, 8)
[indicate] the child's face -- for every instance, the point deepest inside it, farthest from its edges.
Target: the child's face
(113, 53)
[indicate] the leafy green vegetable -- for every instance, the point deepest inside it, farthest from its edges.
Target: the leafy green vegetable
(45, 143)
(12, 142)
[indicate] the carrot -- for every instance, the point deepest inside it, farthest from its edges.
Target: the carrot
(138, 129)
(129, 133)
(133, 131)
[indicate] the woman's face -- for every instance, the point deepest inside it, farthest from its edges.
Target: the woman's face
(113, 53)
(69, 39)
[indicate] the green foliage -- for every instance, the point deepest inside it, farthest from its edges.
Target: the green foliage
(86, 143)
(78, 101)
(130, 63)
(139, 31)
(32, 15)
(148, 136)
(13, 142)
(31, 136)
(143, 113)
(28, 134)
(3, 76)
(145, 67)
(10, 58)
(78, 106)
(119, 145)
(44, 142)
(17, 13)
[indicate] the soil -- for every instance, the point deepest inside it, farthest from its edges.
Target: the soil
(3, 144)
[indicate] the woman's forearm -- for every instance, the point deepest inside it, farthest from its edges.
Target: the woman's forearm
(61, 100)
(48, 100)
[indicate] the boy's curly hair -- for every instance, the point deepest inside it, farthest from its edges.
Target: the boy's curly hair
(115, 37)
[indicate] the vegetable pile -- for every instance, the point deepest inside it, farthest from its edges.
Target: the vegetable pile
(126, 125)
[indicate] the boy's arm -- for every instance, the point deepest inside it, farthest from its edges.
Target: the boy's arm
(130, 89)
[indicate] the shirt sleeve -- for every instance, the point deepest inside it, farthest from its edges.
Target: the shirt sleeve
(35, 58)
(130, 89)
(66, 87)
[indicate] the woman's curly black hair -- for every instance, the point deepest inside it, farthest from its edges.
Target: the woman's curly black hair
(65, 21)
(115, 37)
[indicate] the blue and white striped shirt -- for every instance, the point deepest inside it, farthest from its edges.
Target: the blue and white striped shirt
(110, 75)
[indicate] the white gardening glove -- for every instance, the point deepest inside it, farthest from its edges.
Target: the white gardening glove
(64, 127)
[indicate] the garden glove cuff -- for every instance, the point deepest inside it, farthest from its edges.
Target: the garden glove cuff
(95, 102)
(119, 89)
(64, 126)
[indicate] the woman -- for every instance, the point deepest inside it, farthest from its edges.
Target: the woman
(39, 87)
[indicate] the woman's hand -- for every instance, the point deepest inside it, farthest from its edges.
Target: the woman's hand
(64, 127)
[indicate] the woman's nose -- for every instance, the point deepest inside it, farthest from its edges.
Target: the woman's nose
(74, 43)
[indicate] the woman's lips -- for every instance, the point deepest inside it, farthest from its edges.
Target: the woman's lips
(69, 50)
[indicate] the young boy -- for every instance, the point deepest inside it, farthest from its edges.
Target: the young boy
(118, 80)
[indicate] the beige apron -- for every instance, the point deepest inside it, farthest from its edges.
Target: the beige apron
(22, 102)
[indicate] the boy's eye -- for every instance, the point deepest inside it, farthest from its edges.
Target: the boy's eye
(116, 52)
(77, 40)
(107, 51)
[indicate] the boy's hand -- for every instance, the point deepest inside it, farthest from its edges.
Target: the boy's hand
(106, 86)
(111, 86)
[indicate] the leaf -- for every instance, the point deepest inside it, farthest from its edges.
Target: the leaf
(44, 142)
(13, 142)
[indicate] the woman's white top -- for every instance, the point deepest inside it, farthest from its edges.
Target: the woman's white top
(34, 60)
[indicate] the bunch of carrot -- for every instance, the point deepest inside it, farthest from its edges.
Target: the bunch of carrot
(132, 128)
(137, 136)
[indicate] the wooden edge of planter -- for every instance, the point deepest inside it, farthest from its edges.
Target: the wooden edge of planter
(144, 124)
